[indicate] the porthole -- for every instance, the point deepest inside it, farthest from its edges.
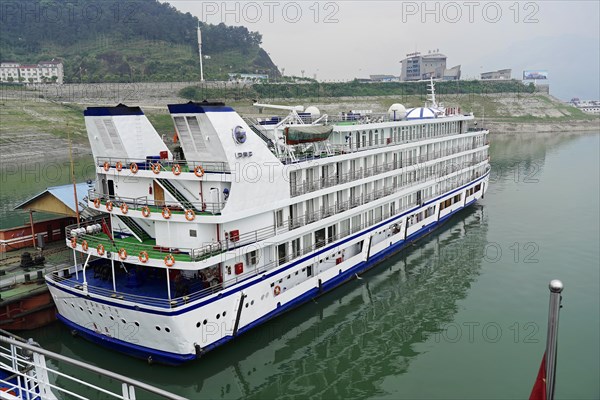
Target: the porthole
(205, 322)
(81, 308)
(112, 318)
(252, 303)
(157, 328)
(197, 324)
(90, 311)
(137, 323)
(167, 329)
(289, 276)
(224, 312)
(247, 305)
(64, 301)
(218, 316)
(296, 273)
(100, 314)
(72, 305)
(123, 321)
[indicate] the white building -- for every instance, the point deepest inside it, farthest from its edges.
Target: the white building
(44, 72)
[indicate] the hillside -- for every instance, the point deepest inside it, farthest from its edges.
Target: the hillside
(115, 41)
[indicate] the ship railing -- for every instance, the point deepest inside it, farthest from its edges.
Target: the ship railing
(256, 270)
(245, 238)
(34, 374)
(139, 203)
(165, 164)
(337, 149)
(336, 179)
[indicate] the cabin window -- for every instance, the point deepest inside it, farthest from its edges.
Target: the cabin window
(252, 257)
(320, 238)
(193, 233)
(279, 218)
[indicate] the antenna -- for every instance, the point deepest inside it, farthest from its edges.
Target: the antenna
(431, 88)
(200, 52)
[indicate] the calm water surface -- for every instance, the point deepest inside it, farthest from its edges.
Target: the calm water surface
(462, 314)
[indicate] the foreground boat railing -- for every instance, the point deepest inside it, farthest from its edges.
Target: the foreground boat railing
(30, 377)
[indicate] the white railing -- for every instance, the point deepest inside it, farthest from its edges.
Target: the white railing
(31, 377)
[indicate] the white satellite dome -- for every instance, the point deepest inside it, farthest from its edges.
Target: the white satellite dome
(313, 111)
(421, 113)
(397, 111)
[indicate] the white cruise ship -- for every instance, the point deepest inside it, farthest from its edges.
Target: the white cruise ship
(249, 219)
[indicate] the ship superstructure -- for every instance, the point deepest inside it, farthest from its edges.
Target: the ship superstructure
(251, 218)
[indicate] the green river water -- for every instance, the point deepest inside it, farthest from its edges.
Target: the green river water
(462, 314)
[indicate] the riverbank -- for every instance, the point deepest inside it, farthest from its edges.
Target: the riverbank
(35, 128)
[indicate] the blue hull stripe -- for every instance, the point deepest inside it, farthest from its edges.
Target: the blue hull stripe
(177, 359)
(267, 275)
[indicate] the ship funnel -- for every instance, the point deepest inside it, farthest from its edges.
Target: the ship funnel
(122, 132)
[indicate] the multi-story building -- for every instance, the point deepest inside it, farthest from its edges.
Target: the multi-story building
(417, 67)
(44, 72)
(500, 74)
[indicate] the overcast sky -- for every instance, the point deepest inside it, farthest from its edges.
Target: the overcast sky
(346, 39)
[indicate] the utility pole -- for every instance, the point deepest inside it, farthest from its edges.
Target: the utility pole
(200, 52)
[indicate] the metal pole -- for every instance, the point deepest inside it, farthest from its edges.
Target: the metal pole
(556, 288)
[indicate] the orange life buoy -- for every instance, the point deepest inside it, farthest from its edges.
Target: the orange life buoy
(169, 260)
(133, 167)
(122, 253)
(190, 215)
(100, 249)
(7, 390)
(176, 169)
(84, 245)
(143, 256)
(73, 242)
(166, 213)
(119, 166)
(199, 171)
(124, 208)
(155, 168)
(146, 211)
(109, 205)
(106, 166)
(277, 290)
(97, 202)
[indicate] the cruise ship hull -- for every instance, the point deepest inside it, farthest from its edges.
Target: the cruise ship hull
(194, 338)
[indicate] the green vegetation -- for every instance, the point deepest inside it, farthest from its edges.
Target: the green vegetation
(316, 90)
(115, 41)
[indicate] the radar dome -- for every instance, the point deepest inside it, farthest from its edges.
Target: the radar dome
(313, 111)
(397, 111)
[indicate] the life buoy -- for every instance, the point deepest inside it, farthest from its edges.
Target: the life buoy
(143, 256)
(155, 168)
(100, 249)
(133, 167)
(124, 208)
(109, 205)
(97, 202)
(190, 215)
(176, 169)
(166, 213)
(7, 390)
(169, 260)
(199, 171)
(73, 242)
(119, 166)
(106, 166)
(122, 253)
(84, 245)
(146, 211)
(277, 290)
